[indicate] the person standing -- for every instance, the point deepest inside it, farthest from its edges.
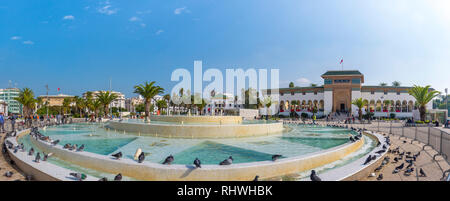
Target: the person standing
(2, 123)
(13, 118)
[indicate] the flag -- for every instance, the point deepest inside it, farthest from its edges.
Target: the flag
(342, 61)
(58, 89)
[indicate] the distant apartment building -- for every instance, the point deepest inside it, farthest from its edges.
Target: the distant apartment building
(132, 103)
(119, 102)
(7, 95)
(55, 100)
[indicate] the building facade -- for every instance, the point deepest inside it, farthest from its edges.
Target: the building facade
(337, 92)
(8, 95)
(55, 100)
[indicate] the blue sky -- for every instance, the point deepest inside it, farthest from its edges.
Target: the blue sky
(79, 45)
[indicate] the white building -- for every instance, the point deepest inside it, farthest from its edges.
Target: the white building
(337, 93)
(131, 103)
(119, 102)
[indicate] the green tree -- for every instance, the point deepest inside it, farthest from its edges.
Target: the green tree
(26, 98)
(148, 91)
(291, 85)
(423, 95)
(383, 84)
(161, 104)
(106, 98)
(66, 105)
(360, 103)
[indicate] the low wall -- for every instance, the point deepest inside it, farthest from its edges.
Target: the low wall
(198, 131)
(42, 171)
(198, 119)
(235, 172)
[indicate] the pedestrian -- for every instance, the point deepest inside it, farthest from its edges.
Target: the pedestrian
(13, 118)
(2, 123)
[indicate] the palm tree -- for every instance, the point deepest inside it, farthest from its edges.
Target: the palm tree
(26, 98)
(66, 105)
(423, 95)
(383, 84)
(167, 99)
(95, 106)
(148, 91)
(386, 104)
(396, 83)
(201, 106)
(106, 98)
(360, 103)
(80, 104)
(268, 102)
(161, 104)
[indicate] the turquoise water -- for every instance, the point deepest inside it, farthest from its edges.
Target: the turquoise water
(298, 140)
(213, 153)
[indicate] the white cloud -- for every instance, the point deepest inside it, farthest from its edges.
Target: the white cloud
(159, 32)
(180, 10)
(134, 19)
(107, 9)
(28, 42)
(16, 38)
(68, 17)
(143, 25)
(303, 81)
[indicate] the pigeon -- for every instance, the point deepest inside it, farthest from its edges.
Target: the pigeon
(103, 179)
(276, 157)
(409, 171)
(118, 177)
(31, 152)
(168, 160)
(66, 146)
(81, 148)
(422, 173)
(38, 157)
(227, 161)
(314, 176)
(46, 156)
(380, 177)
(384, 146)
(368, 160)
(409, 161)
(55, 142)
(197, 163)
(378, 168)
(78, 176)
(8, 174)
(374, 157)
(141, 157)
(401, 154)
(410, 165)
(351, 139)
(256, 178)
(117, 155)
(400, 166)
(380, 152)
